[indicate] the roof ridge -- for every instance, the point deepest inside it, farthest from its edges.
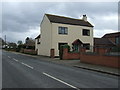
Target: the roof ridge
(112, 33)
(65, 17)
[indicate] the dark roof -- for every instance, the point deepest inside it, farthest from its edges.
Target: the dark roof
(103, 41)
(38, 36)
(77, 41)
(111, 35)
(67, 20)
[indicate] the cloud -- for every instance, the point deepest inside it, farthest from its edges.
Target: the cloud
(15, 36)
(102, 32)
(22, 19)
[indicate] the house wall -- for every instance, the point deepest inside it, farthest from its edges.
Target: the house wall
(45, 45)
(37, 45)
(74, 32)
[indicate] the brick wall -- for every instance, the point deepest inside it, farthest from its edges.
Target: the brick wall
(98, 57)
(70, 55)
(29, 51)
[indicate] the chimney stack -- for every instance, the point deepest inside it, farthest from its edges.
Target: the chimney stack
(84, 18)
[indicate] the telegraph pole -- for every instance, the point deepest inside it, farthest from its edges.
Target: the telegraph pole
(5, 41)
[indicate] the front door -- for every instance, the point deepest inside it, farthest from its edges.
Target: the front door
(59, 45)
(76, 47)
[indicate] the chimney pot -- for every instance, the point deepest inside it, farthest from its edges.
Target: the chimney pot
(84, 17)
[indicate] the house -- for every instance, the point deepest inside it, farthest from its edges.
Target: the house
(113, 37)
(60, 30)
(29, 43)
(37, 42)
(108, 40)
(103, 42)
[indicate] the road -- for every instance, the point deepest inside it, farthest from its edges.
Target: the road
(21, 71)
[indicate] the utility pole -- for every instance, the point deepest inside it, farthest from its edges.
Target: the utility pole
(5, 41)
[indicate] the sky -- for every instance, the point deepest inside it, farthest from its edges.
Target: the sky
(22, 19)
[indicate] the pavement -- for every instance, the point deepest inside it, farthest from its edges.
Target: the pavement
(28, 71)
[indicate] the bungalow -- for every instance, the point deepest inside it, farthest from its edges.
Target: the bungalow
(60, 30)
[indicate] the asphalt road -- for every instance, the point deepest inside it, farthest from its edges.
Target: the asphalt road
(21, 71)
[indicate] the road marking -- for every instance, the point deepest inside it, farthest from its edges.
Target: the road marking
(60, 81)
(9, 56)
(15, 59)
(27, 65)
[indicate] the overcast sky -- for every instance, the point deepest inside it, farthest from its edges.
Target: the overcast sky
(22, 19)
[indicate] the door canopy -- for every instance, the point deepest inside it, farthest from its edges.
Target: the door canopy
(77, 42)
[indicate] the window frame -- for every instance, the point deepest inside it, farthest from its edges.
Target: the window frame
(117, 39)
(87, 33)
(63, 30)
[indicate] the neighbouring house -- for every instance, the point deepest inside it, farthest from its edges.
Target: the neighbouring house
(103, 42)
(60, 30)
(113, 37)
(37, 42)
(29, 43)
(108, 40)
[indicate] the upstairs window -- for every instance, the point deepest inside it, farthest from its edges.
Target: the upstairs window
(117, 40)
(86, 32)
(62, 30)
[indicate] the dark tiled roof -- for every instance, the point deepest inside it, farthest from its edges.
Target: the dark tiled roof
(38, 36)
(67, 20)
(111, 35)
(103, 41)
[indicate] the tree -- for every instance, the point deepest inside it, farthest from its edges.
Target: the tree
(19, 42)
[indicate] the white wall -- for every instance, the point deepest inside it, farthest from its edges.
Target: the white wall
(45, 45)
(36, 44)
(74, 32)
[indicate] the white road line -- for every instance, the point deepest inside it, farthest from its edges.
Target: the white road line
(9, 56)
(60, 81)
(15, 59)
(27, 65)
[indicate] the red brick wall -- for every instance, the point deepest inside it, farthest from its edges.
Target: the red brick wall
(111, 61)
(68, 55)
(29, 51)
(100, 59)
